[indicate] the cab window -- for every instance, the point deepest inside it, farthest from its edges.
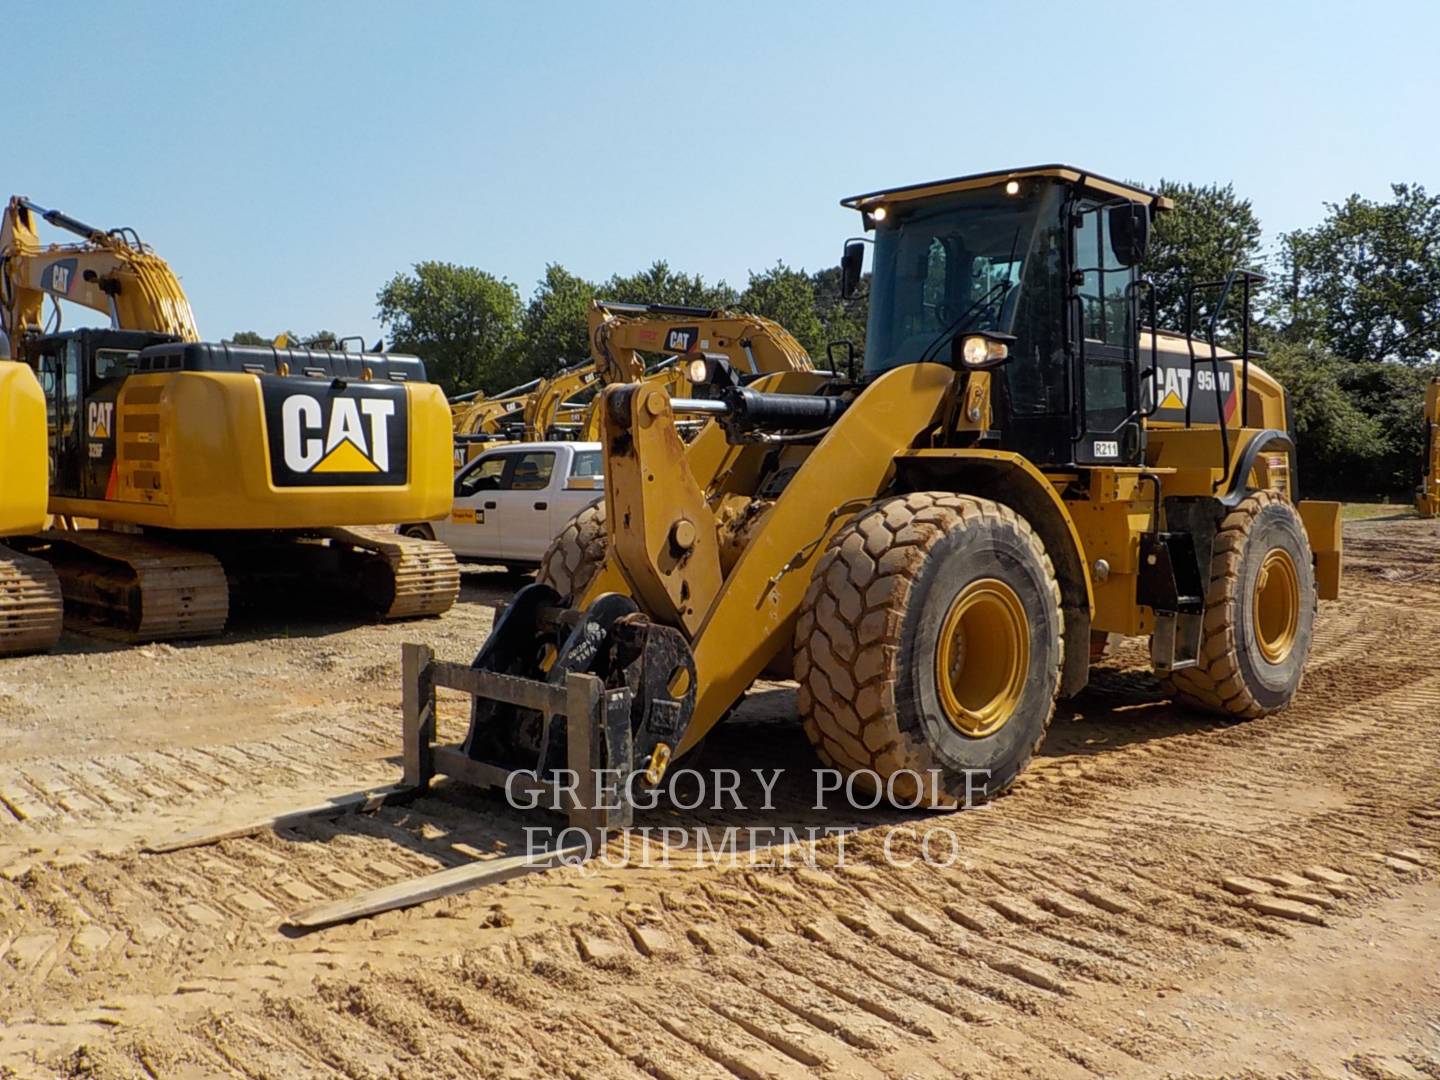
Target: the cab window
(532, 470)
(484, 475)
(587, 463)
(112, 363)
(1103, 280)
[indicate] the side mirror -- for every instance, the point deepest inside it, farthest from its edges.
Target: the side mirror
(1129, 233)
(851, 264)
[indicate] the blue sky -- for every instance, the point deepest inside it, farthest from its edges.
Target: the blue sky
(288, 158)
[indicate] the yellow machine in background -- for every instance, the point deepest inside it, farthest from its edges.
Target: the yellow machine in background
(929, 548)
(30, 603)
(1427, 500)
(203, 461)
(625, 342)
(622, 334)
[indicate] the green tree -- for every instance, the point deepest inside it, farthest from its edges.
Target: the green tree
(554, 326)
(463, 322)
(1365, 282)
(788, 297)
(1210, 232)
(660, 285)
(1356, 423)
(248, 337)
(842, 319)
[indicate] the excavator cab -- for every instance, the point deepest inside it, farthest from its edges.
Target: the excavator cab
(81, 373)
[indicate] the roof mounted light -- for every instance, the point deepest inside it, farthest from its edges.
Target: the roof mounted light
(1012, 187)
(879, 213)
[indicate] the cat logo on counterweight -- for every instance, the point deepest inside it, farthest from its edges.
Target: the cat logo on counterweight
(336, 436)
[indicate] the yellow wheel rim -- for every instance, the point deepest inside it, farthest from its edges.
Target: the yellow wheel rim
(1277, 605)
(982, 657)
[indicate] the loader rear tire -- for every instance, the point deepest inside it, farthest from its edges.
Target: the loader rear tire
(1259, 613)
(928, 649)
(575, 556)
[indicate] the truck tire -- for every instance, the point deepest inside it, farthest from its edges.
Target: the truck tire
(1259, 613)
(928, 649)
(576, 555)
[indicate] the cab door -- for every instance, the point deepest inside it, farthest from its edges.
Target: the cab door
(528, 505)
(1104, 345)
(474, 527)
(58, 364)
(106, 370)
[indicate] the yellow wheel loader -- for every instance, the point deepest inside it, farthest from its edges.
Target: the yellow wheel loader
(212, 464)
(1427, 499)
(930, 547)
(30, 604)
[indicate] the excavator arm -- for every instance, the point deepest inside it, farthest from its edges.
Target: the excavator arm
(543, 405)
(753, 344)
(110, 272)
(621, 335)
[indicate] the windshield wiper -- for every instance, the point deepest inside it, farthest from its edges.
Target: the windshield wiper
(958, 324)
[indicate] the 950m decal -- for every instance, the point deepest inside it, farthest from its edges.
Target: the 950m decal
(321, 435)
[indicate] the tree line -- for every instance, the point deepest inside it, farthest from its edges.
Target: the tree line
(1349, 319)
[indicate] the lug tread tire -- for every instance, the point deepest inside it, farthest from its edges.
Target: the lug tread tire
(848, 633)
(576, 555)
(1217, 684)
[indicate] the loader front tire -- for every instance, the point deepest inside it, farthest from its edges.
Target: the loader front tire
(928, 649)
(575, 556)
(1259, 613)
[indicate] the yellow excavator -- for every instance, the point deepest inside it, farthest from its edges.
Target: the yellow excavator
(1427, 499)
(203, 462)
(625, 340)
(930, 547)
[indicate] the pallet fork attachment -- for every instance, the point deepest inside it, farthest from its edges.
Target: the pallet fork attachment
(597, 729)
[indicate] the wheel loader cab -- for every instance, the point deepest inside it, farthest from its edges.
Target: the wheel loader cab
(1042, 262)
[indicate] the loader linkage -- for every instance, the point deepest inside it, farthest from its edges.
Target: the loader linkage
(647, 670)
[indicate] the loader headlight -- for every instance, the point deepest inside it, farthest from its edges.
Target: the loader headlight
(698, 371)
(981, 351)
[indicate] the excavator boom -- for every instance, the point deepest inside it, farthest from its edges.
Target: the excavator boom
(110, 272)
(753, 344)
(622, 336)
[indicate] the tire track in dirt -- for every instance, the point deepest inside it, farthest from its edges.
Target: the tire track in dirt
(1142, 843)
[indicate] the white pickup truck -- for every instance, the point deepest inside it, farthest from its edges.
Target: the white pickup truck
(510, 502)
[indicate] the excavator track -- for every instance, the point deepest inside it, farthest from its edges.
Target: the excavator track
(403, 577)
(31, 610)
(144, 589)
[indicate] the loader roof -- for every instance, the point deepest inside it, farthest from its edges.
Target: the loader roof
(1094, 182)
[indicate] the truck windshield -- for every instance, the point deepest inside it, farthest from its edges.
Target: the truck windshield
(942, 268)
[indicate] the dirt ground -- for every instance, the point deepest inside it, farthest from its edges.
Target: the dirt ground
(1163, 895)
